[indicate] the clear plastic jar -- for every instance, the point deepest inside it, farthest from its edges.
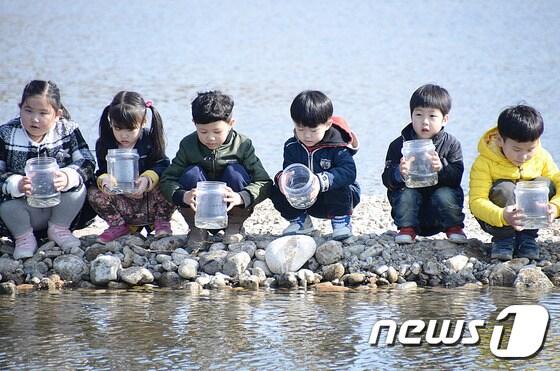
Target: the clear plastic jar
(297, 181)
(122, 167)
(421, 173)
(531, 198)
(41, 171)
(211, 208)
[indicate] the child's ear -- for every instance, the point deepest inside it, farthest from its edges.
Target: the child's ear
(59, 114)
(328, 124)
(231, 123)
(445, 120)
(499, 140)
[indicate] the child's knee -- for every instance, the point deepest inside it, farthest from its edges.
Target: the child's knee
(502, 193)
(236, 177)
(191, 176)
(447, 197)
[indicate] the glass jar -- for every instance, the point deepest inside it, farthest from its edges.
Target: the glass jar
(531, 198)
(297, 181)
(211, 208)
(421, 173)
(122, 167)
(41, 171)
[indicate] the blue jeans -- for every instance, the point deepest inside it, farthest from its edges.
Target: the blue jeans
(427, 210)
(336, 202)
(234, 175)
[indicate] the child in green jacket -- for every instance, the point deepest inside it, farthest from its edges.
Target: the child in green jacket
(215, 151)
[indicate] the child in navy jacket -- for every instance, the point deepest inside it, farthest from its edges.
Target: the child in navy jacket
(326, 145)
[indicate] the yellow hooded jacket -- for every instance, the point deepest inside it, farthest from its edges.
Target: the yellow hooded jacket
(491, 165)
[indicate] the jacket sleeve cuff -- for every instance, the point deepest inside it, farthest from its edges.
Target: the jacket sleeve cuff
(178, 196)
(324, 181)
(246, 197)
(12, 185)
(153, 176)
(73, 178)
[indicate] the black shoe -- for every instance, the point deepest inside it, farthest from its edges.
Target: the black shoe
(527, 247)
(502, 249)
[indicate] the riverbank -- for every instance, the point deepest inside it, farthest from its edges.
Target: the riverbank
(370, 259)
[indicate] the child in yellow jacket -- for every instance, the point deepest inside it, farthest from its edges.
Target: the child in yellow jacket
(509, 153)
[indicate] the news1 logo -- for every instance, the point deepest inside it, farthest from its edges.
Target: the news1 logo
(527, 335)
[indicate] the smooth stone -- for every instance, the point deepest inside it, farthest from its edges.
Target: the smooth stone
(236, 263)
(329, 287)
(104, 269)
(259, 254)
(289, 253)
(354, 279)
(406, 286)
(502, 275)
(8, 288)
(329, 253)
(262, 265)
(333, 271)
(213, 261)
(169, 279)
(532, 277)
(250, 282)
(136, 275)
(248, 246)
(70, 268)
(392, 275)
(8, 265)
(188, 269)
(457, 263)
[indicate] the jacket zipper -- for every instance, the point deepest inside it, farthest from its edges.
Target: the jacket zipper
(213, 159)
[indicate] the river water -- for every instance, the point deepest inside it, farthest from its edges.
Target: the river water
(252, 330)
(368, 57)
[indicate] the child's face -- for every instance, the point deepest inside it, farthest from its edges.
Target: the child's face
(38, 116)
(518, 152)
(127, 138)
(312, 136)
(427, 121)
(213, 134)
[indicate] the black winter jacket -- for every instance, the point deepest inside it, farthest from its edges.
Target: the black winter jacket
(448, 149)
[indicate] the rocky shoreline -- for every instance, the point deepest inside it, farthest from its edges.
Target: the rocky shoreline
(369, 259)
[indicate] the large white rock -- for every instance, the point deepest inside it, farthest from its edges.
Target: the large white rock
(289, 253)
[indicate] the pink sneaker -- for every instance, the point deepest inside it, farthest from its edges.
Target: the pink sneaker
(112, 233)
(62, 236)
(162, 228)
(26, 245)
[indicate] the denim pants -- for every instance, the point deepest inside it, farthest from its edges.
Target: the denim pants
(336, 202)
(427, 210)
(502, 195)
(234, 175)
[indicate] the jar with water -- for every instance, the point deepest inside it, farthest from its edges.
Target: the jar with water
(531, 198)
(41, 170)
(297, 181)
(122, 167)
(211, 207)
(421, 173)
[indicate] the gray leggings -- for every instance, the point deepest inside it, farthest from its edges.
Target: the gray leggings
(19, 217)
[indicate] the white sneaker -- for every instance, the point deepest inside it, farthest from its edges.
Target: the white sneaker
(26, 245)
(342, 227)
(62, 236)
(300, 225)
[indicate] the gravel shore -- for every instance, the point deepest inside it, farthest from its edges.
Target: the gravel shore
(369, 259)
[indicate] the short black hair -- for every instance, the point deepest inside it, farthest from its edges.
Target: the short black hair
(211, 106)
(431, 96)
(311, 108)
(521, 123)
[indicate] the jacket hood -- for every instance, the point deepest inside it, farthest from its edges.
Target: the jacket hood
(488, 147)
(339, 135)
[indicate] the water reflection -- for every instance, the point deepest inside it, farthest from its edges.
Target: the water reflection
(232, 329)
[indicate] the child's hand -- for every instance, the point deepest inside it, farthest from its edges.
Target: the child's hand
(232, 198)
(404, 166)
(142, 185)
(552, 212)
(281, 184)
(60, 180)
(436, 162)
(315, 187)
(24, 185)
(189, 198)
(107, 183)
(514, 217)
